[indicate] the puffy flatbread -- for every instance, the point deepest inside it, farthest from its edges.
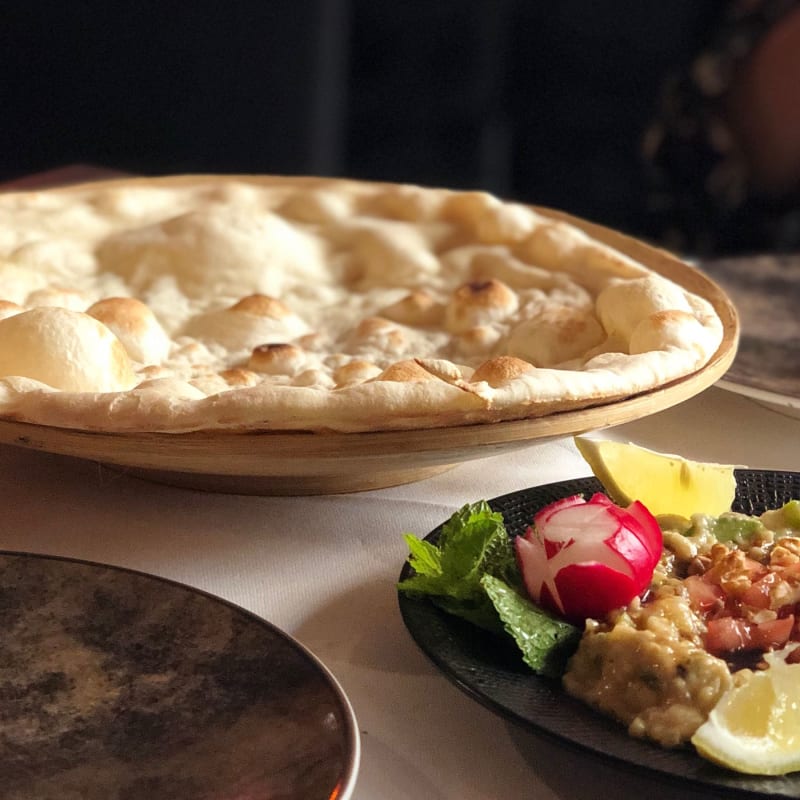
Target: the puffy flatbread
(286, 303)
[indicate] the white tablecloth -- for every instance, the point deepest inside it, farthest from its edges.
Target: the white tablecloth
(324, 570)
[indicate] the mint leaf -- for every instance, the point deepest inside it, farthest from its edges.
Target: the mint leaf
(472, 573)
(473, 543)
(546, 641)
(425, 557)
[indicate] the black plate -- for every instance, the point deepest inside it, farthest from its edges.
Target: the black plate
(490, 669)
(116, 684)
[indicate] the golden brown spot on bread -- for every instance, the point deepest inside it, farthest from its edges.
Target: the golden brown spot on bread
(261, 305)
(478, 303)
(239, 377)
(372, 325)
(502, 369)
(279, 357)
(356, 371)
(487, 293)
(406, 372)
(127, 312)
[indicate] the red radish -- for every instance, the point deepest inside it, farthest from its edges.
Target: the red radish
(583, 559)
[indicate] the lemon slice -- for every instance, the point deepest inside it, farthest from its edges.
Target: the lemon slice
(755, 726)
(666, 484)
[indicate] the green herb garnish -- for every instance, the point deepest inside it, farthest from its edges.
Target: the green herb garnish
(471, 572)
(546, 642)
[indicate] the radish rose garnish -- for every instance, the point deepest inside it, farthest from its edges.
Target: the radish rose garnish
(583, 559)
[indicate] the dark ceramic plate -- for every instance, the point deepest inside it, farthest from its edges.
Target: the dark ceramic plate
(116, 684)
(490, 670)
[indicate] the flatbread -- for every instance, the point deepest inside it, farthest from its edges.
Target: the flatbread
(286, 303)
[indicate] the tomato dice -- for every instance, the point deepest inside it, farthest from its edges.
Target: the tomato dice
(727, 635)
(773, 634)
(703, 596)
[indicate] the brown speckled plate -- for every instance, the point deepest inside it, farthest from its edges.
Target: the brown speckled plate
(490, 669)
(116, 684)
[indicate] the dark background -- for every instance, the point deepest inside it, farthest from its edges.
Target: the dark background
(540, 101)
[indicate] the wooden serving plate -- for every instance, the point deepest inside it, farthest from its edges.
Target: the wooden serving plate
(300, 463)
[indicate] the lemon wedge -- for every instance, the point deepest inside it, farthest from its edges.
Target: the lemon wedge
(755, 726)
(666, 484)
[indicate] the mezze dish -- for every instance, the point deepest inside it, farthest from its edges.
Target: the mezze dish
(197, 303)
(681, 628)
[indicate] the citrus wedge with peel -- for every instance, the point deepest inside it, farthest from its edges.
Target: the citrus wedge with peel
(664, 483)
(755, 726)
